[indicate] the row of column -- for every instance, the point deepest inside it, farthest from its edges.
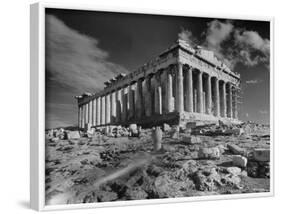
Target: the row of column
(178, 88)
(212, 96)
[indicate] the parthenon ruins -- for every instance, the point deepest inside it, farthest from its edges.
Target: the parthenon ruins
(180, 85)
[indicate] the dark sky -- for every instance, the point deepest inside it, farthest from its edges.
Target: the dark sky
(94, 46)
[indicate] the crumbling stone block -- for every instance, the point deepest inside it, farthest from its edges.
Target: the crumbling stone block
(166, 127)
(234, 170)
(236, 149)
(235, 131)
(209, 153)
(191, 139)
(262, 155)
(73, 135)
(239, 161)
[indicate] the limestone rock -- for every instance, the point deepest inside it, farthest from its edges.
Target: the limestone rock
(207, 179)
(239, 161)
(166, 127)
(73, 135)
(191, 139)
(104, 196)
(190, 125)
(190, 166)
(209, 153)
(164, 187)
(136, 194)
(234, 170)
(236, 149)
(133, 127)
(262, 155)
(235, 131)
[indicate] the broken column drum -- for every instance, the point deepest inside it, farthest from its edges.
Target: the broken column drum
(182, 84)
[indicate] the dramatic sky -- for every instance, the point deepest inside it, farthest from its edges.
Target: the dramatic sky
(84, 49)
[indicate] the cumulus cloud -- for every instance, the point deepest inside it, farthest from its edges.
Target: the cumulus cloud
(74, 60)
(253, 40)
(217, 32)
(74, 64)
(233, 45)
(253, 49)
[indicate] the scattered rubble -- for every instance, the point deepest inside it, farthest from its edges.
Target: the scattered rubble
(132, 163)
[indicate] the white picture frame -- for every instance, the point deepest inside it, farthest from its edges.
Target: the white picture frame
(37, 111)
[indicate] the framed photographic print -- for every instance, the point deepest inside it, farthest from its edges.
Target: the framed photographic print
(141, 107)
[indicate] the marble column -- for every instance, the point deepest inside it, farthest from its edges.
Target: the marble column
(200, 92)
(113, 107)
(102, 110)
(158, 94)
(235, 107)
(148, 97)
(107, 109)
(131, 109)
(94, 112)
(229, 101)
(139, 99)
(83, 116)
(189, 88)
(98, 120)
(124, 104)
(118, 106)
(208, 95)
(86, 113)
(223, 100)
(217, 98)
(91, 112)
(169, 91)
(80, 117)
(179, 93)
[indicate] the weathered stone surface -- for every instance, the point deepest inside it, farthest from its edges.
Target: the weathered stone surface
(258, 169)
(188, 168)
(164, 187)
(236, 149)
(133, 127)
(103, 196)
(135, 194)
(253, 169)
(191, 125)
(207, 179)
(157, 138)
(235, 131)
(239, 161)
(209, 153)
(234, 170)
(191, 139)
(73, 135)
(262, 155)
(166, 127)
(175, 132)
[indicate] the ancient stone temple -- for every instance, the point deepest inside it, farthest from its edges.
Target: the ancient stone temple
(182, 84)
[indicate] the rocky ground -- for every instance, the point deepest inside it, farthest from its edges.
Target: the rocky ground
(196, 161)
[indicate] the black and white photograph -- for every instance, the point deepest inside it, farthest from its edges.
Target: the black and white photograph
(149, 106)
